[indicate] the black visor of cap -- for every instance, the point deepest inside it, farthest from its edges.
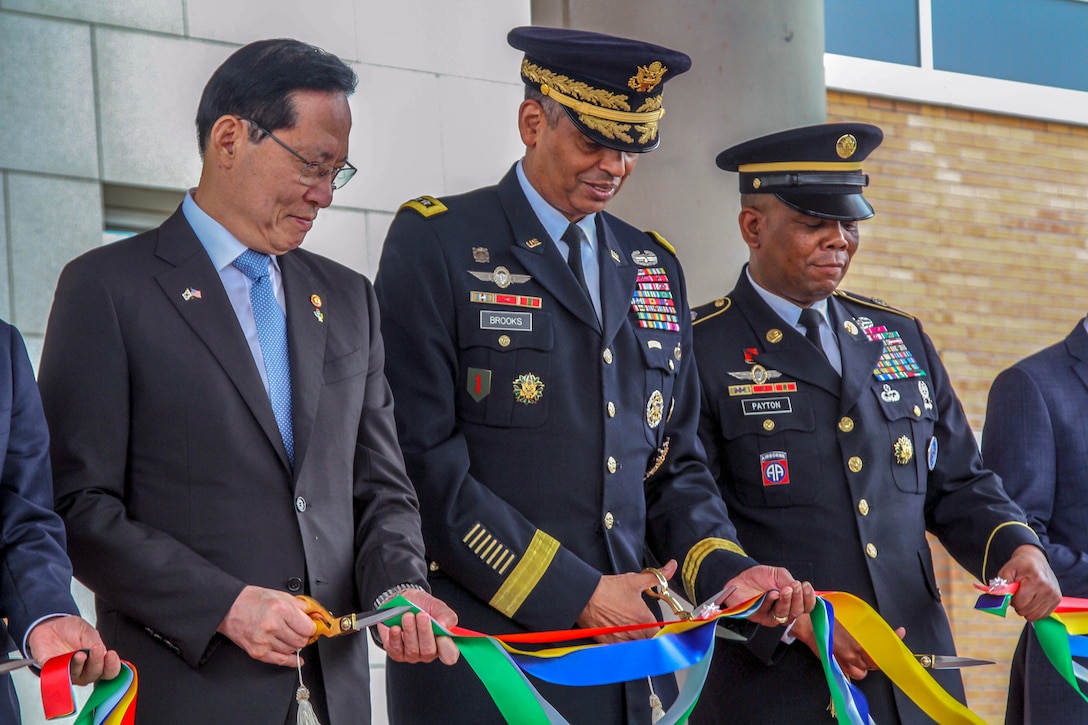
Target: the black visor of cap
(840, 207)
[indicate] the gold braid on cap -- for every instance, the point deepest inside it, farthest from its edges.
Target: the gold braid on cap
(607, 113)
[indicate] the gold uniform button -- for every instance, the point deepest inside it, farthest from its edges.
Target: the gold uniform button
(846, 424)
(870, 549)
(433, 566)
(917, 412)
(608, 355)
(672, 365)
(863, 507)
(609, 520)
(611, 409)
(854, 463)
(768, 424)
(612, 465)
(504, 341)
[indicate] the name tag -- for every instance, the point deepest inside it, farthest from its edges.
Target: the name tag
(503, 320)
(767, 406)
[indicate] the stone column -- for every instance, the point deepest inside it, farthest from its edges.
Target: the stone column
(757, 67)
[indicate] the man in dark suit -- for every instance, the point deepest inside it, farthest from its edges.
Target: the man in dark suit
(540, 354)
(223, 436)
(837, 439)
(1034, 437)
(39, 615)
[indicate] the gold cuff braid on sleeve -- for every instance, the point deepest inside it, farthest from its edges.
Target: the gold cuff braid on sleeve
(526, 575)
(986, 556)
(690, 571)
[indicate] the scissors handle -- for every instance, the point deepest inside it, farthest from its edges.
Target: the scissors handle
(661, 591)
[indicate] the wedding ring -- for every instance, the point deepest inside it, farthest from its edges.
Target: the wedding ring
(780, 620)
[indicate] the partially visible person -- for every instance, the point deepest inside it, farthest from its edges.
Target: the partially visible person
(39, 615)
(1036, 439)
(540, 354)
(222, 430)
(838, 441)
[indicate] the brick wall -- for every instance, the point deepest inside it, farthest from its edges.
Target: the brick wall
(981, 230)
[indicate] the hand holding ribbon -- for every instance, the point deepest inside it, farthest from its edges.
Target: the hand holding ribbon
(113, 701)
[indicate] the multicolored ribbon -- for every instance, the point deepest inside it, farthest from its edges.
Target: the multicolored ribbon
(502, 667)
(112, 702)
(1061, 635)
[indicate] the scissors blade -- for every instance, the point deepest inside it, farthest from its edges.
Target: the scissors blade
(359, 622)
(949, 662)
(12, 665)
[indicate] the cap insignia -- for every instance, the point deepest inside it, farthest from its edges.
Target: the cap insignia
(846, 146)
(647, 77)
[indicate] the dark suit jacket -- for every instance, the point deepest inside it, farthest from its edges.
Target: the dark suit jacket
(35, 576)
(1036, 438)
(870, 466)
(526, 503)
(174, 483)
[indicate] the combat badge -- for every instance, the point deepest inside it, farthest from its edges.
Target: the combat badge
(776, 470)
(904, 450)
(479, 383)
(644, 258)
(923, 390)
(889, 394)
(502, 277)
(528, 389)
(655, 409)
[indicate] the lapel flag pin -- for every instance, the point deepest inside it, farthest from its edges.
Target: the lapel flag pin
(319, 315)
(190, 293)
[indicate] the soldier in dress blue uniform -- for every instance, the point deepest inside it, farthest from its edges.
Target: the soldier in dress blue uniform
(539, 350)
(837, 440)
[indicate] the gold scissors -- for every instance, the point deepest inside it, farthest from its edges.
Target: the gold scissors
(329, 625)
(661, 591)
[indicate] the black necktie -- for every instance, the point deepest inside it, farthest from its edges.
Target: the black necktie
(810, 320)
(574, 237)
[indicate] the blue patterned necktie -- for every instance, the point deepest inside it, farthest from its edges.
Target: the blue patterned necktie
(272, 332)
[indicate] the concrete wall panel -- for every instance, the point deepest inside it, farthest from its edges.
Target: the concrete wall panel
(166, 16)
(452, 38)
(51, 221)
(47, 120)
(395, 138)
(329, 24)
(150, 86)
(480, 129)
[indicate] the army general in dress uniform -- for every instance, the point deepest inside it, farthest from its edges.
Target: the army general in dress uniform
(837, 440)
(539, 351)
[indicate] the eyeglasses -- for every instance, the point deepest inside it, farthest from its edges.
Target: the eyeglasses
(313, 172)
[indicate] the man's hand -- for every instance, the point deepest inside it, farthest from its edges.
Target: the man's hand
(61, 635)
(618, 601)
(271, 626)
(1039, 592)
(413, 640)
(787, 599)
(853, 660)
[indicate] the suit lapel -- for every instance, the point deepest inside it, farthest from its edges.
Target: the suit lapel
(310, 309)
(539, 255)
(860, 355)
(212, 317)
(617, 278)
(782, 347)
(1077, 345)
